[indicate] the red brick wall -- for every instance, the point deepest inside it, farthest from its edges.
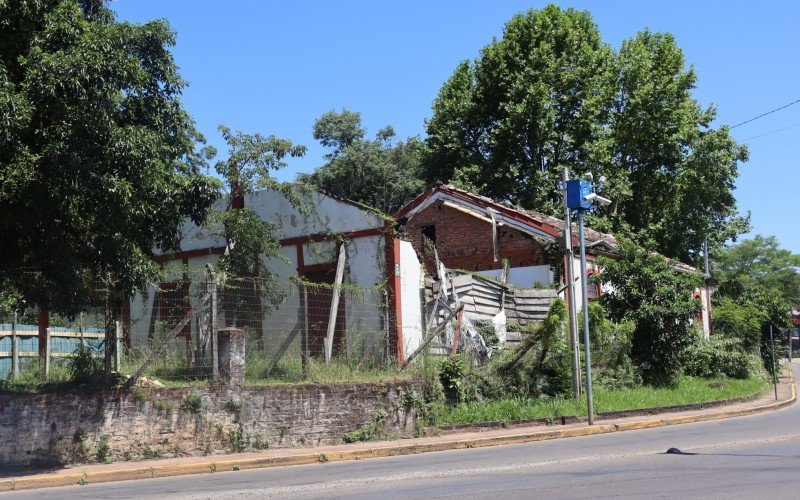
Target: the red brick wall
(465, 242)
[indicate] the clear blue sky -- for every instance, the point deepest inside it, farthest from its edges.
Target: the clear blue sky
(275, 66)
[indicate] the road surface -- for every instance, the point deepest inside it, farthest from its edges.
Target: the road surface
(747, 457)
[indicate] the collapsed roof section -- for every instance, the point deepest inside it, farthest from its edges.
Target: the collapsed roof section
(535, 224)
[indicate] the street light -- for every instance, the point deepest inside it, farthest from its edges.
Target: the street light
(581, 197)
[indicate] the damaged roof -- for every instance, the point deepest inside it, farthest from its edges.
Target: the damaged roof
(540, 224)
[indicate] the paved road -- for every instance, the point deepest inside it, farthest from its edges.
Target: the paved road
(747, 457)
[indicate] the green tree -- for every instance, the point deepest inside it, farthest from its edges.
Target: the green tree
(382, 173)
(671, 175)
(250, 239)
(531, 104)
(338, 130)
(757, 274)
(550, 94)
(98, 158)
(646, 290)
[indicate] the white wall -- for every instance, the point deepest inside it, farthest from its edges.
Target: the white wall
(411, 285)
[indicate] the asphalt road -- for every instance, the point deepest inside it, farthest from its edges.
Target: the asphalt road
(747, 457)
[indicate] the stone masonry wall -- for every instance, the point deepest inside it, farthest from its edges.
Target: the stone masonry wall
(465, 242)
(151, 423)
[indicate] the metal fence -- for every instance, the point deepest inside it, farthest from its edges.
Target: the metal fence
(294, 329)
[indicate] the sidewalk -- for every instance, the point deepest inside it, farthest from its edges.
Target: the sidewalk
(281, 457)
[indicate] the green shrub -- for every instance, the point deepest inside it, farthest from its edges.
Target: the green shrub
(193, 402)
(451, 376)
(84, 367)
(719, 356)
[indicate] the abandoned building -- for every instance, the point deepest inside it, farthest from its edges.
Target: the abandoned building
(310, 243)
(475, 238)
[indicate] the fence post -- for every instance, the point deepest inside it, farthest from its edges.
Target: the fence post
(118, 346)
(303, 319)
(212, 289)
(14, 348)
(80, 330)
(47, 354)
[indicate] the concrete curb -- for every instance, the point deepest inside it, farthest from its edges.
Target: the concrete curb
(131, 471)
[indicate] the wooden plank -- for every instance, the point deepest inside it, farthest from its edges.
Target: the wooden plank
(337, 290)
(431, 336)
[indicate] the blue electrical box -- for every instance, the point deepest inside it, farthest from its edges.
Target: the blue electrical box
(577, 189)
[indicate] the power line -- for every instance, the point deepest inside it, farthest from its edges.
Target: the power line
(771, 132)
(765, 114)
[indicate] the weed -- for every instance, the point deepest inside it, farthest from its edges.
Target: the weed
(233, 405)
(259, 443)
(84, 480)
(103, 451)
(213, 468)
(151, 453)
(235, 467)
(139, 394)
(238, 439)
(322, 458)
(193, 402)
(368, 432)
(162, 405)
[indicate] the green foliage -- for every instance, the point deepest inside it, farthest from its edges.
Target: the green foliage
(550, 94)
(369, 432)
(741, 322)
(648, 292)
(757, 276)
(238, 440)
(451, 375)
(84, 367)
(720, 356)
(233, 404)
(193, 402)
(611, 350)
(103, 450)
(381, 173)
(91, 130)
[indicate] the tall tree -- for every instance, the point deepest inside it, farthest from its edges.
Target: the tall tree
(532, 103)
(757, 274)
(250, 240)
(551, 94)
(98, 159)
(382, 173)
(672, 175)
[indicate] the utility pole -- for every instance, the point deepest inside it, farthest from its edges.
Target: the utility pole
(585, 293)
(581, 197)
(570, 278)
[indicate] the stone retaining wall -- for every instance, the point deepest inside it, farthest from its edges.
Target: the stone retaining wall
(76, 427)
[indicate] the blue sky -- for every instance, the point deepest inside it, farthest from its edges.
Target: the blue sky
(275, 66)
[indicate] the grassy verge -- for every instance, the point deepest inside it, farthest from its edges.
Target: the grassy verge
(689, 390)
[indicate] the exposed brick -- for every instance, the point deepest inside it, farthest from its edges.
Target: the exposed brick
(465, 242)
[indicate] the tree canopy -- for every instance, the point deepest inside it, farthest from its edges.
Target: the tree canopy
(551, 94)
(382, 173)
(756, 274)
(98, 158)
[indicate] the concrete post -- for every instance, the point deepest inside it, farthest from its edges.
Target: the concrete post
(232, 353)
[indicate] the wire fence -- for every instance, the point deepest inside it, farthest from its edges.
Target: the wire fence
(294, 330)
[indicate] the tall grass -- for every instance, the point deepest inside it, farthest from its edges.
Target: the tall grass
(689, 390)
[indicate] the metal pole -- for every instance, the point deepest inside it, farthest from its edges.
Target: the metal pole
(212, 288)
(14, 348)
(772, 350)
(570, 277)
(585, 292)
(47, 354)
